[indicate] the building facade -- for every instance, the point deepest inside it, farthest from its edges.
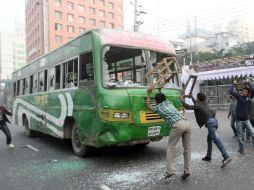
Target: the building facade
(50, 23)
(12, 51)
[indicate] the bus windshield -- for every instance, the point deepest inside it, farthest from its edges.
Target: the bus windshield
(127, 67)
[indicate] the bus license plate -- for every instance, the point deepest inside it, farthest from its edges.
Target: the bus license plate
(154, 131)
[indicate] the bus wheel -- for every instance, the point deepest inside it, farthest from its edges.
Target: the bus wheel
(141, 145)
(29, 132)
(78, 148)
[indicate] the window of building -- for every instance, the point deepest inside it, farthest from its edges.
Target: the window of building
(58, 39)
(92, 10)
(70, 28)
(92, 22)
(70, 5)
(102, 3)
(101, 13)
(58, 14)
(81, 30)
(58, 3)
(81, 20)
(119, 8)
(111, 5)
(70, 17)
(120, 18)
(70, 38)
(58, 27)
(102, 24)
(81, 8)
(111, 15)
(111, 25)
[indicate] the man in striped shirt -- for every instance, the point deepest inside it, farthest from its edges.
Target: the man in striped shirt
(180, 127)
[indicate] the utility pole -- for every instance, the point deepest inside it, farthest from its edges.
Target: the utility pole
(137, 12)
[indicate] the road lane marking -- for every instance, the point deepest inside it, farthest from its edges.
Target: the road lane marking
(32, 148)
(104, 187)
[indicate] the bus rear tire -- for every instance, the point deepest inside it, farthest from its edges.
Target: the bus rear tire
(78, 148)
(29, 132)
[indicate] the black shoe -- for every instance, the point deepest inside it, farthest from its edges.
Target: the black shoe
(167, 175)
(241, 151)
(206, 158)
(234, 136)
(185, 175)
(225, 162)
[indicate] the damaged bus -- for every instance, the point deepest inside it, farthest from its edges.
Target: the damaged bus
(92, 90)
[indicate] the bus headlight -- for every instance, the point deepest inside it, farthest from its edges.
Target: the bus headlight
(121, 115)
(115, 115)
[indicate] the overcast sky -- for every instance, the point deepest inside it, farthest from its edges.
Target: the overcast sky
(172, 15)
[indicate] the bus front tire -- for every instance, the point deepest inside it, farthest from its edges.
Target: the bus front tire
(78, 148)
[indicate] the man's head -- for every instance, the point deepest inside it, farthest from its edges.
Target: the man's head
(159, 97)
(201, 97)
(246, 91)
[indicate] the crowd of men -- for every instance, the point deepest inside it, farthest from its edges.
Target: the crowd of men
(242, 119)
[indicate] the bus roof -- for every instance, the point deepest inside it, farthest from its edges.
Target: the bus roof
(110, 37)
(134, 39)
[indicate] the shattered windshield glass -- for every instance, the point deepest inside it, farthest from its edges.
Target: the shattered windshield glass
(126, 67)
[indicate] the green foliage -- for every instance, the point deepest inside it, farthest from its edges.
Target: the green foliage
(247, 49)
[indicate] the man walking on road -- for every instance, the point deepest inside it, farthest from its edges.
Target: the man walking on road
(4, 127)
(242, 112)
(206, 116)
(232, 113)
(180, 127)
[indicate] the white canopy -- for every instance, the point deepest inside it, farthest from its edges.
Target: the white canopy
(220, 74)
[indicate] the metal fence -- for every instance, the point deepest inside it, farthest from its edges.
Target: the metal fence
(217, 96)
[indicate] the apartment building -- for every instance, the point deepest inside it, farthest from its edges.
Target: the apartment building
(50, 23)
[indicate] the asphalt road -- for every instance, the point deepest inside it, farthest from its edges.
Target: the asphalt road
(47, 163)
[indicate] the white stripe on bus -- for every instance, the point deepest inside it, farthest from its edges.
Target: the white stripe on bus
(70, 104)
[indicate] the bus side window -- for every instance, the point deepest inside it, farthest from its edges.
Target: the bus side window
(41, 81)
(70, 73)
(31, 85)
(26, 86)
(23, 86)
(14, 89)
(58, 76)
(18, 87)
(35, 83)
(86, 71)
(52, 78)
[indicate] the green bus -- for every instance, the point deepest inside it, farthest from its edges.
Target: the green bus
(92, 90)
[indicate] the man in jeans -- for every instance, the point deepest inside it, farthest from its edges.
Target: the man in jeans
(180, 127)
(242, 112)
(4, 127)
(206, 116)
(232, 113)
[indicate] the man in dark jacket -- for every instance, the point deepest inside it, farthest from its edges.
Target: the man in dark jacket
(4, 127)
(206, 116)
(242, 112)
